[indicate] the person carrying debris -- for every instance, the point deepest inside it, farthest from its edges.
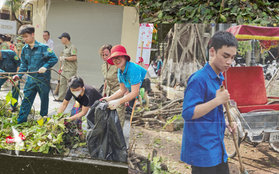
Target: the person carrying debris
(85, 96)
(130, 76)
(10, 62)
(4, 45)
(203, 133)
(35, 57)
(69, 67)
(111, 82)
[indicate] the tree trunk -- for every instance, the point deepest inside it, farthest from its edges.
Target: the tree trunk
(17, 18)
(180, 55)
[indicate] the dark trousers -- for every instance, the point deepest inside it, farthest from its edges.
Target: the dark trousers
(131, 103)
(222, 168)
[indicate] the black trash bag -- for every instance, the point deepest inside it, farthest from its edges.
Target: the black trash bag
(104, 138)
(100, 90)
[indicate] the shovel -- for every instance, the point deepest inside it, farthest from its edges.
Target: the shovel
(241, 166)
(58, 84)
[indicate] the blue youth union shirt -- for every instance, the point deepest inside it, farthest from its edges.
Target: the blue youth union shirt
(203, 138)
(10, 61)
(33, 59)
(132, 75)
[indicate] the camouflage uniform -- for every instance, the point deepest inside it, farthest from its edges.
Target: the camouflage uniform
(4, 46)
(69, 69)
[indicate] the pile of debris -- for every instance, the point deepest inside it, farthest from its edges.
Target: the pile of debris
(140, 164)
(45, 135)
(160, 111)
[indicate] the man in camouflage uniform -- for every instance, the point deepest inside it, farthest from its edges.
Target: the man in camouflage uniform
(9, 62)
(69, 67)
(19, 45)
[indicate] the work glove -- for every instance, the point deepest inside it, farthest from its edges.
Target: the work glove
(127, 104)
(42, 70)
(62, 58)
(113, 104)
(105, 98)
(15, 78)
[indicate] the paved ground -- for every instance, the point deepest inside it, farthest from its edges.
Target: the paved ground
(53, 106)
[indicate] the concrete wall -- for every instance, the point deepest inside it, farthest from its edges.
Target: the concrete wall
(130, 30)
(39, 19)
(90, 26)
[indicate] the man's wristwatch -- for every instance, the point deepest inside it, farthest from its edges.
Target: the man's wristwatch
(65, 58)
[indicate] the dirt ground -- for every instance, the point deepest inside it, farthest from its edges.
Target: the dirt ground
(261, 159)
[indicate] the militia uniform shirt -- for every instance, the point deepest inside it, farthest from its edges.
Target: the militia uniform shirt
(19, 46)
(4, 46)
(110, 75)
(70, 50)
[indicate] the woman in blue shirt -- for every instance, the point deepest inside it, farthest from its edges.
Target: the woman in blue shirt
(130, 77)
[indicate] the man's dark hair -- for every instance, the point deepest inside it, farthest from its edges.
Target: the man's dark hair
(223, 38)
(26, 29)
(75, 82)
(8, 38)
(47, 32)
(3, 37)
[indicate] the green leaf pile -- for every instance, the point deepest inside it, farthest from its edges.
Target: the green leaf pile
(53, 137)
(209, 11)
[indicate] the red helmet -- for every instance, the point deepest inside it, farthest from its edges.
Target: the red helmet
(117, 50)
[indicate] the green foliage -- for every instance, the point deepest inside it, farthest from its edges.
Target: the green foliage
(243, 47)
(9, 98)
(155, 166)
(15, 4)
(176, 117)
(52, 137)
(197, 11)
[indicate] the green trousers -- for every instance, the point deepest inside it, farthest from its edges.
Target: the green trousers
(121, 114)
(63, 83)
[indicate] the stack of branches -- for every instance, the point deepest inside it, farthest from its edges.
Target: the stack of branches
(157, 97)
(159, 116)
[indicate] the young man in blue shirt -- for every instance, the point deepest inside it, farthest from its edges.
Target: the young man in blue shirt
(35, 57)
(203, 134)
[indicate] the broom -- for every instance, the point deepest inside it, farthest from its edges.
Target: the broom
(58, 84)
(241, 166)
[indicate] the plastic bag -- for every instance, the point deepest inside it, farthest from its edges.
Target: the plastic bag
(104, 138)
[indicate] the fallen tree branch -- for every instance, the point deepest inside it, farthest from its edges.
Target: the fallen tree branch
(174, 101)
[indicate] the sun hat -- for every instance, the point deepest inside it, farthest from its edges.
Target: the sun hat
(19, 38)
(116, 51)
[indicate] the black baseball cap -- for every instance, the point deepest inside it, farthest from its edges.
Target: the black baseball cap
(65, 35)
